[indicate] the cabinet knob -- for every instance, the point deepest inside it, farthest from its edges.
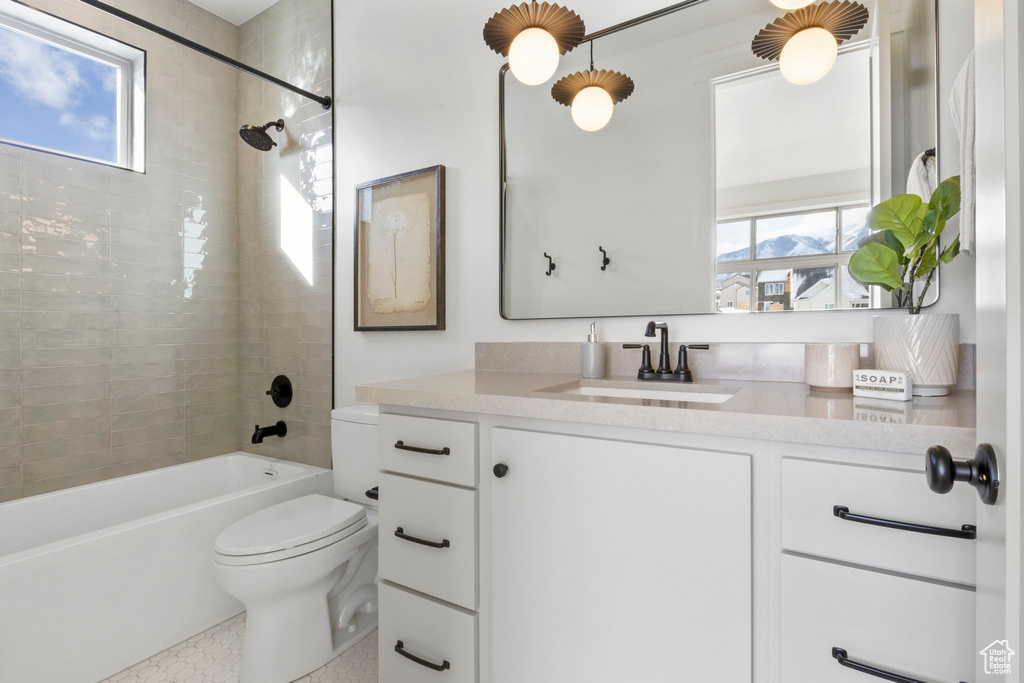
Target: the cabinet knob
(942, 471)
(500, 470)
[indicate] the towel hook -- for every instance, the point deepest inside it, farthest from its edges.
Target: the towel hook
(604, 260)
(551, 263)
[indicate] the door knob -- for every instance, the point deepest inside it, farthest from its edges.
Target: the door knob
(942, 471)
(500, 470)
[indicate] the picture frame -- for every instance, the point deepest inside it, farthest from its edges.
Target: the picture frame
(399, 252)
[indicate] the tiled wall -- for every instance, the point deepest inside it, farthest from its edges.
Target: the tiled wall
(119, 321)
(285, 207)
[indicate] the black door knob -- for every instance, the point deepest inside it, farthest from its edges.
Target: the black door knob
(942, 471)
(500, 470)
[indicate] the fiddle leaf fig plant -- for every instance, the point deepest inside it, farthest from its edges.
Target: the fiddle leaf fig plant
(903, 249)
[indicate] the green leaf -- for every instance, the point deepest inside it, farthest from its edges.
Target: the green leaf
(928, 261)
(952, 251)
(922, 240)
(903, 214)
(945, 202)
(877, 264)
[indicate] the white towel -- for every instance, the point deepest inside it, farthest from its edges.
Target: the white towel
(962, 104)
(923, 178)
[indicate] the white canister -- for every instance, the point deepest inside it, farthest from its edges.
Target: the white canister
(829, 367)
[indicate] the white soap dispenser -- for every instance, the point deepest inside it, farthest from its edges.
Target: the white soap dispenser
(593, 355)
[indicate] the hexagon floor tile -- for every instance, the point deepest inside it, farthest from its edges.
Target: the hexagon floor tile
(214, 656)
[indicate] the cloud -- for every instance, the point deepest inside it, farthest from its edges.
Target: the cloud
(93, 127)
(39, 72)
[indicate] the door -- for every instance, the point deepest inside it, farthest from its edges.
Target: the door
(617, 561)
(998, 36)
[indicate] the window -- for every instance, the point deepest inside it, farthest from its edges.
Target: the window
(68, 90)
(798, 260)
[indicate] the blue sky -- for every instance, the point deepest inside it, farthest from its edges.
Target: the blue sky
(56, 99)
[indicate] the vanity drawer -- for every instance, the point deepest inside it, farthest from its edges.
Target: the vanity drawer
(430, 631)
(435, 514)
(444, 450)
(811, 491)
(917, 629)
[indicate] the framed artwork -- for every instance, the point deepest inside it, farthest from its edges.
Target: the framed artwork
(399, 252)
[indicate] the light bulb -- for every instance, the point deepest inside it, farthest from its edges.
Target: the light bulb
(808, 56)
(791, 4)
(533, 56)
(592, 108)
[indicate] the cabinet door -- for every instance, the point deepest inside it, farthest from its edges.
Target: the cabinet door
(617, 561)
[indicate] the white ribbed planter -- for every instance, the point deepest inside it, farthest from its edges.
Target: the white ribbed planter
(926, 346)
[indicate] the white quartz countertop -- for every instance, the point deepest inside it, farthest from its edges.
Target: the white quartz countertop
(775, 411)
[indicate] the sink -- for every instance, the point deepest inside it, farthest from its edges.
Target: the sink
(647, 394)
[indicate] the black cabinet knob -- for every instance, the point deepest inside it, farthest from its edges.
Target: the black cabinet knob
(942, 471)
(500, 470)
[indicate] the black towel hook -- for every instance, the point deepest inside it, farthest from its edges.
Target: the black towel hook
(551, 263)
(605, 260)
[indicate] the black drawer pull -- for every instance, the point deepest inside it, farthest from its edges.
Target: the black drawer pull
(967, 531)
(374, 493)
(400, 532)
(843, 658)
(400, 445)
(443, 666)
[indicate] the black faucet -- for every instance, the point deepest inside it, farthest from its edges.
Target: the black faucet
(664, 362)
(279, 430)
(664, 372)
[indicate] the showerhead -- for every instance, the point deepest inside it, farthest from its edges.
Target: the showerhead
(257, 136)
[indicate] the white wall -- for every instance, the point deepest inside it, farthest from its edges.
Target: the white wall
(417, 86)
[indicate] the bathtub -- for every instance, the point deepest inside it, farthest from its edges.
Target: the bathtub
(96, 578)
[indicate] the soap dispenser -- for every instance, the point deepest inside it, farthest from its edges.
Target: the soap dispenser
(593, 355)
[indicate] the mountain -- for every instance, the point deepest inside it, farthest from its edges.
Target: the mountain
(781, 247)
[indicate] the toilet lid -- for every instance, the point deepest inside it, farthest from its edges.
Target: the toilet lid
(292, 523)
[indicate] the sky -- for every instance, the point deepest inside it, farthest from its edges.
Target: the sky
(56, 99)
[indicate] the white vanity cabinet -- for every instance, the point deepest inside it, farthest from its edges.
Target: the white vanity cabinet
(560, 551)
(619, 561)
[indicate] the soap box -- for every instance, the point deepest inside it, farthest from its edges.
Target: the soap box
(885, 384)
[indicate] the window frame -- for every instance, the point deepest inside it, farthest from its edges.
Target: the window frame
(128, 60)
(837, 259)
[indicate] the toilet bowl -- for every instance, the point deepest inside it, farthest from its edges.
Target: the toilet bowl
(306, 569)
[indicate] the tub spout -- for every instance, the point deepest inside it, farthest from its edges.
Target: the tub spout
(280, 429)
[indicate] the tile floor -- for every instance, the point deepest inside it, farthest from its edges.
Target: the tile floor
(214, 656)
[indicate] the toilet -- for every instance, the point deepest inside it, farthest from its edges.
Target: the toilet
(306, 569)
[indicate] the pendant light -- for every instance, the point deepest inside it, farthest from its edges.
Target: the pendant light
(806, 42)
(534, 36)
(592, 95)
(791, 4)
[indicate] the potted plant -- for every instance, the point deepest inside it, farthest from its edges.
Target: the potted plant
(902, 255)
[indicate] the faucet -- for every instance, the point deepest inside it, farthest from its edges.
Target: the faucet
(664, 362)
(664, 373)
(279, 430)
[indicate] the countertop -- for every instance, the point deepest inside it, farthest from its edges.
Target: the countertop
(776, 411)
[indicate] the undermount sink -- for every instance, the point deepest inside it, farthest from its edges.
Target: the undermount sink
(647, 394)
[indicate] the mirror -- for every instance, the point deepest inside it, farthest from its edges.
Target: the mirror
(718, 186)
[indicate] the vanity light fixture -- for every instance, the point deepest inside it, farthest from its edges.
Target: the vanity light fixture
(533, 36)
(806, 42)
(592, 95)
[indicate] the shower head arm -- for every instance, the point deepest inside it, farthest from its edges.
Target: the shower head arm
(279, 124)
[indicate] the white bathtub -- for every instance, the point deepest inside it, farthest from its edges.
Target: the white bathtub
(96, 578)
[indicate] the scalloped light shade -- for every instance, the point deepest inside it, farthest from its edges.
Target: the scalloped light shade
(533, 56)
(592, 109)
(808, 56)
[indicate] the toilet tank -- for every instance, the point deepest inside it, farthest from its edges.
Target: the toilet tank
(354, 452)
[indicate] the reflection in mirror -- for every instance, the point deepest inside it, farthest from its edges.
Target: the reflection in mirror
(718, 186)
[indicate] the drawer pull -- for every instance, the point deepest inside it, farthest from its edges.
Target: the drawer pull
(443, 666)
(967, 531)
(400, 533)
(843, 658)
(374, 493)
(400, 445)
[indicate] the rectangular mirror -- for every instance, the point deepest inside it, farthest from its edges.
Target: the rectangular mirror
(718, 186)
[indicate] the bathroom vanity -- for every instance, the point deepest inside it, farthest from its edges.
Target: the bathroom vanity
(539, 527)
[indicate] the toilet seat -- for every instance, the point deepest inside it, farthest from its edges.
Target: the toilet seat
(295, 527)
